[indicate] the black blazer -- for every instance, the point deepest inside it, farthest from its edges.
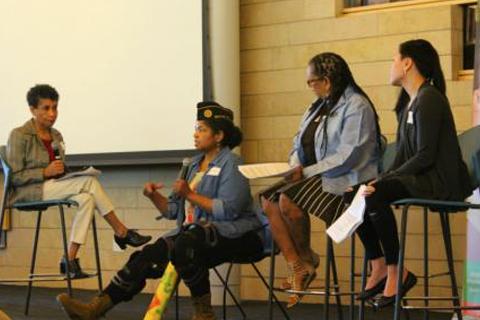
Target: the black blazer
(428, 160)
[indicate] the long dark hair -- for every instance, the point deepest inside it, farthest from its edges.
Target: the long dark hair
(427, 61)
(332, 66)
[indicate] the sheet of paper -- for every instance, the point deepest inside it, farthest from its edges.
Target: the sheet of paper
(90, 171)
(351, 218)
(265, 170)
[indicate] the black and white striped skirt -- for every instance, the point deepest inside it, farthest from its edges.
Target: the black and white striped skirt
(309, 196)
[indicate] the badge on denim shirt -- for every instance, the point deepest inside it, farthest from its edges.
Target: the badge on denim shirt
(214, 171)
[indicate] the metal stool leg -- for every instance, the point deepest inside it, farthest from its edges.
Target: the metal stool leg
(326, 310)
(426, 314)
(336, 286)
(352, 277)
(32, 263)
(177, 311)
(65, 250)
(401, 258)
(363, 283)
(225, 285)
(97, 255)
(279, 304)
(225, 291)
(271, 279)
(444, 218)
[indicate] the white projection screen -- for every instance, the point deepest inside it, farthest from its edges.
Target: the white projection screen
(129, 72)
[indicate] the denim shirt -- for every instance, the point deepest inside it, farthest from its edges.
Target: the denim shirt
(232, 213)
(352, 154)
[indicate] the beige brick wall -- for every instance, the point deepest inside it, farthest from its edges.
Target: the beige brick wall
(124, 186)
(277, 40)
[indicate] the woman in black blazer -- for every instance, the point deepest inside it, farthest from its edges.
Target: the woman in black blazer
(428, 163)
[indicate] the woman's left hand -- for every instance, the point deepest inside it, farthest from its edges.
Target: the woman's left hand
(181, 188)
(297, 174)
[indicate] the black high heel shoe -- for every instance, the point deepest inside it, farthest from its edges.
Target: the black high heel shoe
(408, 284)
(132, 238)
(373, 291)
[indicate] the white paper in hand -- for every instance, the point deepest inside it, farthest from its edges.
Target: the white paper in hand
(265, 170)
(90, 171)
(349, 221)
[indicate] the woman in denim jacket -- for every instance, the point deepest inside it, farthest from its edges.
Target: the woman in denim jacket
(215, 218)
(336, 147)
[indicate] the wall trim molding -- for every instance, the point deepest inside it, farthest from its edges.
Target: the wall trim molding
(403, 5)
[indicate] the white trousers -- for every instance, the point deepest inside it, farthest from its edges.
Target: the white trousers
(88, 193)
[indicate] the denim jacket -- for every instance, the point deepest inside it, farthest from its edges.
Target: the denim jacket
(352, 154)
(233, 213)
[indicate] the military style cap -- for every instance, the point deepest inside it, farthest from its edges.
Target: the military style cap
(211, 110)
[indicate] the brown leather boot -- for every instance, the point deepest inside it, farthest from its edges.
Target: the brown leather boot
(203, 308)
(75, 309)
(3, 316)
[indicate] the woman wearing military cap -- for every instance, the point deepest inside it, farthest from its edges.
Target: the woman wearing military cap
(215, 222)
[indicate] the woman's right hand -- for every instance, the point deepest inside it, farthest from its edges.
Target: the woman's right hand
(369, 189)
(55, 168)
(150, 188)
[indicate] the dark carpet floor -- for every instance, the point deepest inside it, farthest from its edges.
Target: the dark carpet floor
(44, 306)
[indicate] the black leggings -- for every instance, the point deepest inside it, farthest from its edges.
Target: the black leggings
(193, 252)
(378, 232)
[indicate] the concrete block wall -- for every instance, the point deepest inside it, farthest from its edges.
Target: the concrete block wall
(277, 40)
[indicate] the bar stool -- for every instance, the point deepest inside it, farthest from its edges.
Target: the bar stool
(327, 290)
(40, 207)
(226, 289)
(251, 262)
(470, 146)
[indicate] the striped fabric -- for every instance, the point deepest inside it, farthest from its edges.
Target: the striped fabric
(308, 195)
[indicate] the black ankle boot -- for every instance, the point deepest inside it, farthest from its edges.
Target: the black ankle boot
(75, 270)
(133, 238)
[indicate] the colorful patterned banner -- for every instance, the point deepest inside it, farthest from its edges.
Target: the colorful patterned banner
(471, 292)
(165, 289)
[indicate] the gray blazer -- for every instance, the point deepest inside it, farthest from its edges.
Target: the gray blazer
(28, 156)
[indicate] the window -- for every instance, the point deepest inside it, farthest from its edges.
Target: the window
(359, 3)
(469, 35)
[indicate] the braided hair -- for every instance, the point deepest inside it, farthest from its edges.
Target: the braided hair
(332, 66)
(427, 63)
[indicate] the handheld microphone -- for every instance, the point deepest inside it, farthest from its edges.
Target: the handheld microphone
(184, 170)
(56, 153)
(182, 174)
(56, 150)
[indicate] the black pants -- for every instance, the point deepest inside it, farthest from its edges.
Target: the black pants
(378, 232)
(193, 252)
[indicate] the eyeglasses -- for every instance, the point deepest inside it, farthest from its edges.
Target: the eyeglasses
(313, 81)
